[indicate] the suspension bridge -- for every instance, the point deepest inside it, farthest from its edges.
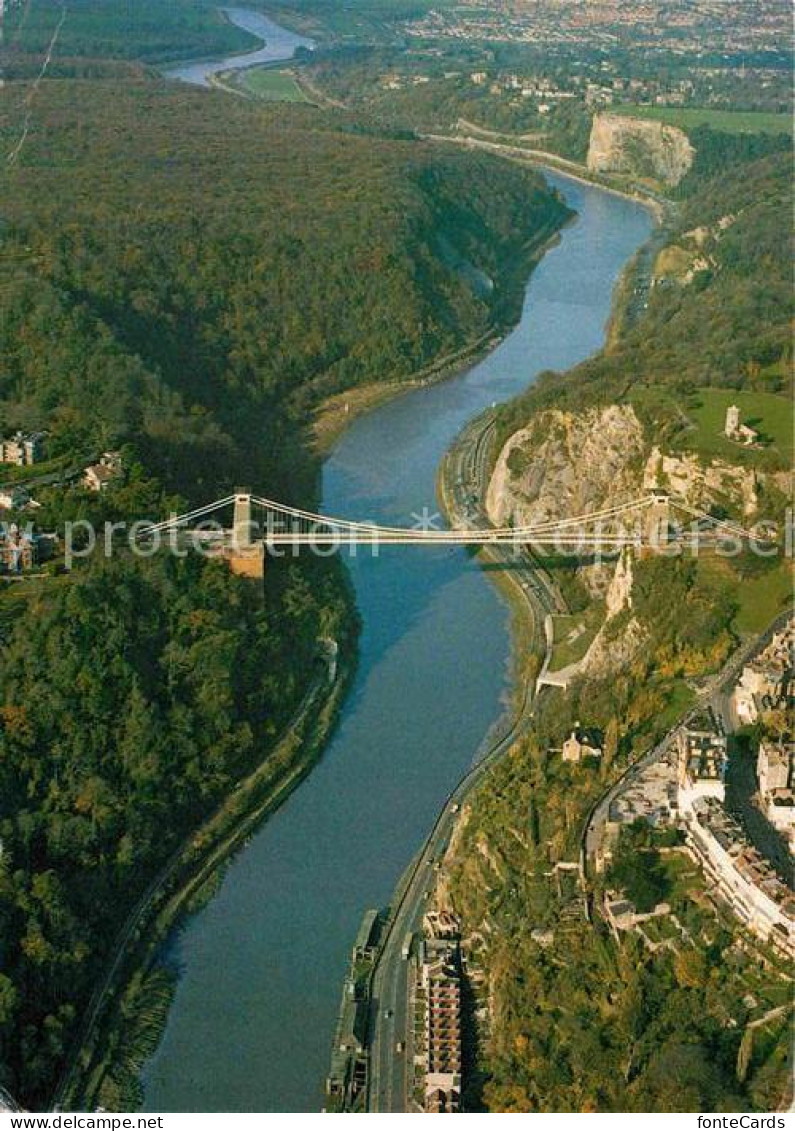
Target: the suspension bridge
(260, 525)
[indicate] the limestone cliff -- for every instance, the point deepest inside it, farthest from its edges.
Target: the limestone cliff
(718, 482)
(565, 464)
(639, 148)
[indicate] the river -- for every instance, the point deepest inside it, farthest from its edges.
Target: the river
(261, 967)
(278, 45)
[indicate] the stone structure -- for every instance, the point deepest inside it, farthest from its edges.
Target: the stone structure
(701, 766)
(581, 744)
(734, 429)
(22, 449)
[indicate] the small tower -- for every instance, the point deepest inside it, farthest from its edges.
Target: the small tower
(732, 421)
(658, 522)
(241, 526)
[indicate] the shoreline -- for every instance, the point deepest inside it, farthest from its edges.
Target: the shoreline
(162, 909)
(541, 159)
(202, 856)
(330, 419)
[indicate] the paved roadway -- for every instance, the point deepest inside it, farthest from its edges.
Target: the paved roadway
(463, 484)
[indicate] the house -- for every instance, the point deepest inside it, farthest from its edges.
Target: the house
(582, 743)
(18, 549)
(22, 449)
(99, 476)
(702, 761)
(13, 498)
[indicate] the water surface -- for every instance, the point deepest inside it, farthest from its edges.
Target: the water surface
(278, 45)
(261, 967)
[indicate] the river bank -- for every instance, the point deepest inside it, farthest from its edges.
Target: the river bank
(279, 929)
(338, 412)
(185, 884)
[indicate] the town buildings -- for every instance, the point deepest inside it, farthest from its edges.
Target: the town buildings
(19, 549)
(740, 875)
(23, 549)
(440, 981)
(775, 773)
(768, 683)
(701, 765)
(22, 449)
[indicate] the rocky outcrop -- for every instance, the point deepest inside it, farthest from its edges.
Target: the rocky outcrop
(639, 148)
(619, 593)
(703, 486)
(565, 464)
(611, 651)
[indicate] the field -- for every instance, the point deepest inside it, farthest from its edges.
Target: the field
(769, 414)
(271, 85)
(574, 636)
(726, 121)
(759, 598)
(762, 598)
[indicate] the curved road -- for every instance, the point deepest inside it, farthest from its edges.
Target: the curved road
(462, 486)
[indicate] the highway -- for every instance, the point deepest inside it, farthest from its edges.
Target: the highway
(462, 486)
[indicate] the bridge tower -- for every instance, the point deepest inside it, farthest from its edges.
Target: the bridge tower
(241, 524)
(245, 555)
(658, 522)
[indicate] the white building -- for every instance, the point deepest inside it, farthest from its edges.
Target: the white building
(740, 876)
(702, 767)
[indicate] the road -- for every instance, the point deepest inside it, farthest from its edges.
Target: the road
(462, 486)
(139, 917)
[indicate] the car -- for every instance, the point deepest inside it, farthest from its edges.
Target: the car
(387, 1013)
(399, 1047)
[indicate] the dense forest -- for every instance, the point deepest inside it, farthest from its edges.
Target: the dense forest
(580, 1019)
(184, 278)
(107, 29)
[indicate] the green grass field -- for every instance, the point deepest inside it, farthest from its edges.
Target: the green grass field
(271, 86)
(574, 635)
(727, 121)
(763, 598)
(760, 599)
(768, 413)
